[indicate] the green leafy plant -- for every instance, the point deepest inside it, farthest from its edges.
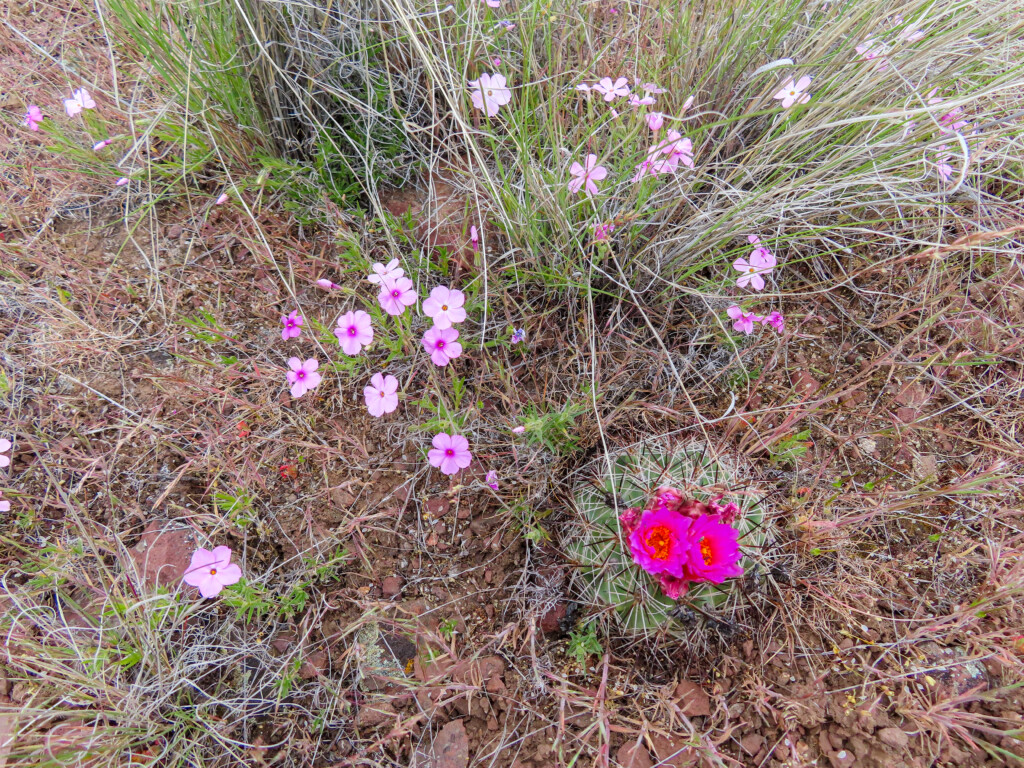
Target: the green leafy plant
(583, 643)
(605, 568)
(554, 430)
(790, 448)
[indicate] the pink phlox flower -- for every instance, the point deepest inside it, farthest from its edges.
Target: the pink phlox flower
(491, 479)
(442, 344)
(943, 168)
(659, 542)
(655, 120)
(474, 238)
(793, 92)
(506, 25)
(450, 453)
(5, 505)
(445, 307)
(519, 429)
(302, 376)
(652, 89)
(5, 446)
(637, 101)
(80, 99)
(327, 285)
(496, 61)
(292, 323)
(908, 35)
(603, 231)
(776, 321)
(212, 571)
(33, 116)
(872, 50)
(492, 3)
(714, 550)
(677, 150)
(949, 122)
(395, 295)
(381, 395)
(354, 331)
(688, 103)
(222, 199)
(744, 320)
(610, 90)
(101, 144)
(382, 274)
(489, 93)
(629, 519)
(753, 269)
(121, 182)
(585, 175)
(672, 587)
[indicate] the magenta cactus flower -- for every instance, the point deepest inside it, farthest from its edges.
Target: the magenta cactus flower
(714, 550)
(212, 571)
(442, 344)
(659, 542)
(354, 331)
(292, 323)
(450, 453)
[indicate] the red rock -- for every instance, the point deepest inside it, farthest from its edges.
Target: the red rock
(906, 415)
(164, 553)
(673, 751)
(894, 737)
(552, 623)
(313, 665)
(634, 755)
(450, 747)
(692, 699)
(752, 743)
(373, 713)
(391, 586)
(438, 506)
(805, 383)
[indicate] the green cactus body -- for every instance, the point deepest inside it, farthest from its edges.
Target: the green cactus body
(606, 570)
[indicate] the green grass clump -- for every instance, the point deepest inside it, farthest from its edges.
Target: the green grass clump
(607, 575)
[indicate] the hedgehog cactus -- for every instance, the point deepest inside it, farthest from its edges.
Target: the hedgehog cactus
(701, 490)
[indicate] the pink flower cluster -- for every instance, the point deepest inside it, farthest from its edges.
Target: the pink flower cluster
(745, 320)
(445, 306)
(682, 541)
